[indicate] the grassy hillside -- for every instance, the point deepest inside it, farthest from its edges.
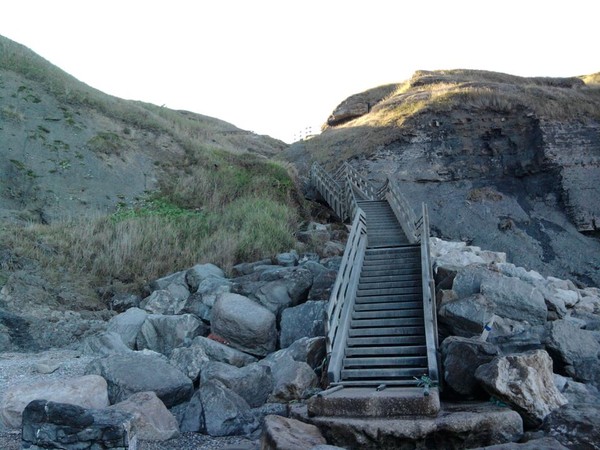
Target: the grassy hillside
(189, 189)
(394, 110)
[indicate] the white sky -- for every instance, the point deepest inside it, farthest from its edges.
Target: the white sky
(277, 67)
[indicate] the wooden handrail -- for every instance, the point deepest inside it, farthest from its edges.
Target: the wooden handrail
(330, 190)
(360, 183)
(403, 211)
(343, 295)
(429, 301)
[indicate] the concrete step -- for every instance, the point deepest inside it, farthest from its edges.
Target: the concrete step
(386, 361)
(387, 322)
(374, 341)
(387, 331)
(388, 314)
(420, 350)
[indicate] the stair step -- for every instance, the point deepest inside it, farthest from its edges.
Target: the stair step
(400, 382)
(389, 361)
(365, 284)
(370, 292)
(389, 305)
(374, 278)
(392, 263)
(407, 249)
(373, 341)
(388, 314)
(420, 350)
(387, 322)
(390, 271)
(386, 331)
(349, 374)
(407, 299)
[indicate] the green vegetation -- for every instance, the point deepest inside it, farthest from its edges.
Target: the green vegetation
(106, 142)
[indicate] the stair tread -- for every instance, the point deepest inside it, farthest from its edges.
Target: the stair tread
(399, 350)
(387, 361)
(387, 322)
(385, 340)
(383, 373)
(387, 314)
(387, 331)
(389, 306)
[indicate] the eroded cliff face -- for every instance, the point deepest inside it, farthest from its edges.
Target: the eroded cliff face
(511, 183)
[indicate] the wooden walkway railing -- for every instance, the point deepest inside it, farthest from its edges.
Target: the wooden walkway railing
(338, 190)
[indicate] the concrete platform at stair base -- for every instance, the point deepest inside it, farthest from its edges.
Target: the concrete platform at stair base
(368, 402)
(457, 426)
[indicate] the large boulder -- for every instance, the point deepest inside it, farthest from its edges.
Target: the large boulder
(225, 412)
(297, 280)
(468, 279)
(128, 325)
(189, 360)
(174, 283)
(201, 302)
(222, 353)
(52, 425)
(466, 316)
(132, 373)
(515, 299)
(88, 391)
(570, 344)
(200, 272)
(151, 419)
(305, 320)
(575, 426)
(246, 325)
(322, 284)
(253, 383)
(282, 433)
(461, 357)
(163, 302)
(524, 381)
(104, 344)
(294, 380)
(163, 334)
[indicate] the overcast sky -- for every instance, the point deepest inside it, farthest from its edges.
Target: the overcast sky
(277, 67)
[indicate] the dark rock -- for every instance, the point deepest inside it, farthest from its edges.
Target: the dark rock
(201, 272)
(122, 302)
(466, 316)
(58, 425)
(132, 373)
(322, 285)
(192, 419)
(247, 268)
(222, 353)
(570, 344)
(461, 357)
(246, 325)
(294, 380)
(289, 259)
(189, 360)
(253, 382)
(163, 334)
(546, 443)
(104, 344)
(163, 301)
(575, 426)
(174, 283)
(306, 320)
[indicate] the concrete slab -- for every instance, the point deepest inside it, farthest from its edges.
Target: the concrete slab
(369, 402)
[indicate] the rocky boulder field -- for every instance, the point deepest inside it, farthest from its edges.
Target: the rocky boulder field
(211, 361)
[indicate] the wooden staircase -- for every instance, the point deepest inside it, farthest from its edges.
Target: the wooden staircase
(386, 337)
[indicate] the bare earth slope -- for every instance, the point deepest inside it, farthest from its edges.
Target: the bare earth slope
(508, 163)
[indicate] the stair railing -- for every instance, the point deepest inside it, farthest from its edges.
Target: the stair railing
(330, 190)
(429, 300)
(403, 211)
(343, 295)
(360, 183)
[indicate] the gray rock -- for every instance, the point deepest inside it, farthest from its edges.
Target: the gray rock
(104, 344)
(222, 353)
(163, 334)
(322, 285)
(308, 350)
(546, 443)
(189, 360)
(461, 357)
(294, 380)
(298, 281)
(524, 381)
(253, 383)
(586, 370)
(128, 325)
(284, 433)
(211, 288)
(570, 344)
(247, 268)
(87, 391)
(248, 326)
(270, 409)
(163, 302)
(468, 280)
(122, 302)
(575, 425)
(274, 296)
(47, 424)
(289, 259)
(332, 263)
(305, 320)
(466, 316)
(201, 272)
(225, 412)
(132, 373)
(515, 299)
(175, 284)
(151, 419)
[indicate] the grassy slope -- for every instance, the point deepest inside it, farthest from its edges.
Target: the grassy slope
(219, 203)
(446, 90)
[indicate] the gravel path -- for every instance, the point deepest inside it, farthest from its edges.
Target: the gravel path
(20, 368)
